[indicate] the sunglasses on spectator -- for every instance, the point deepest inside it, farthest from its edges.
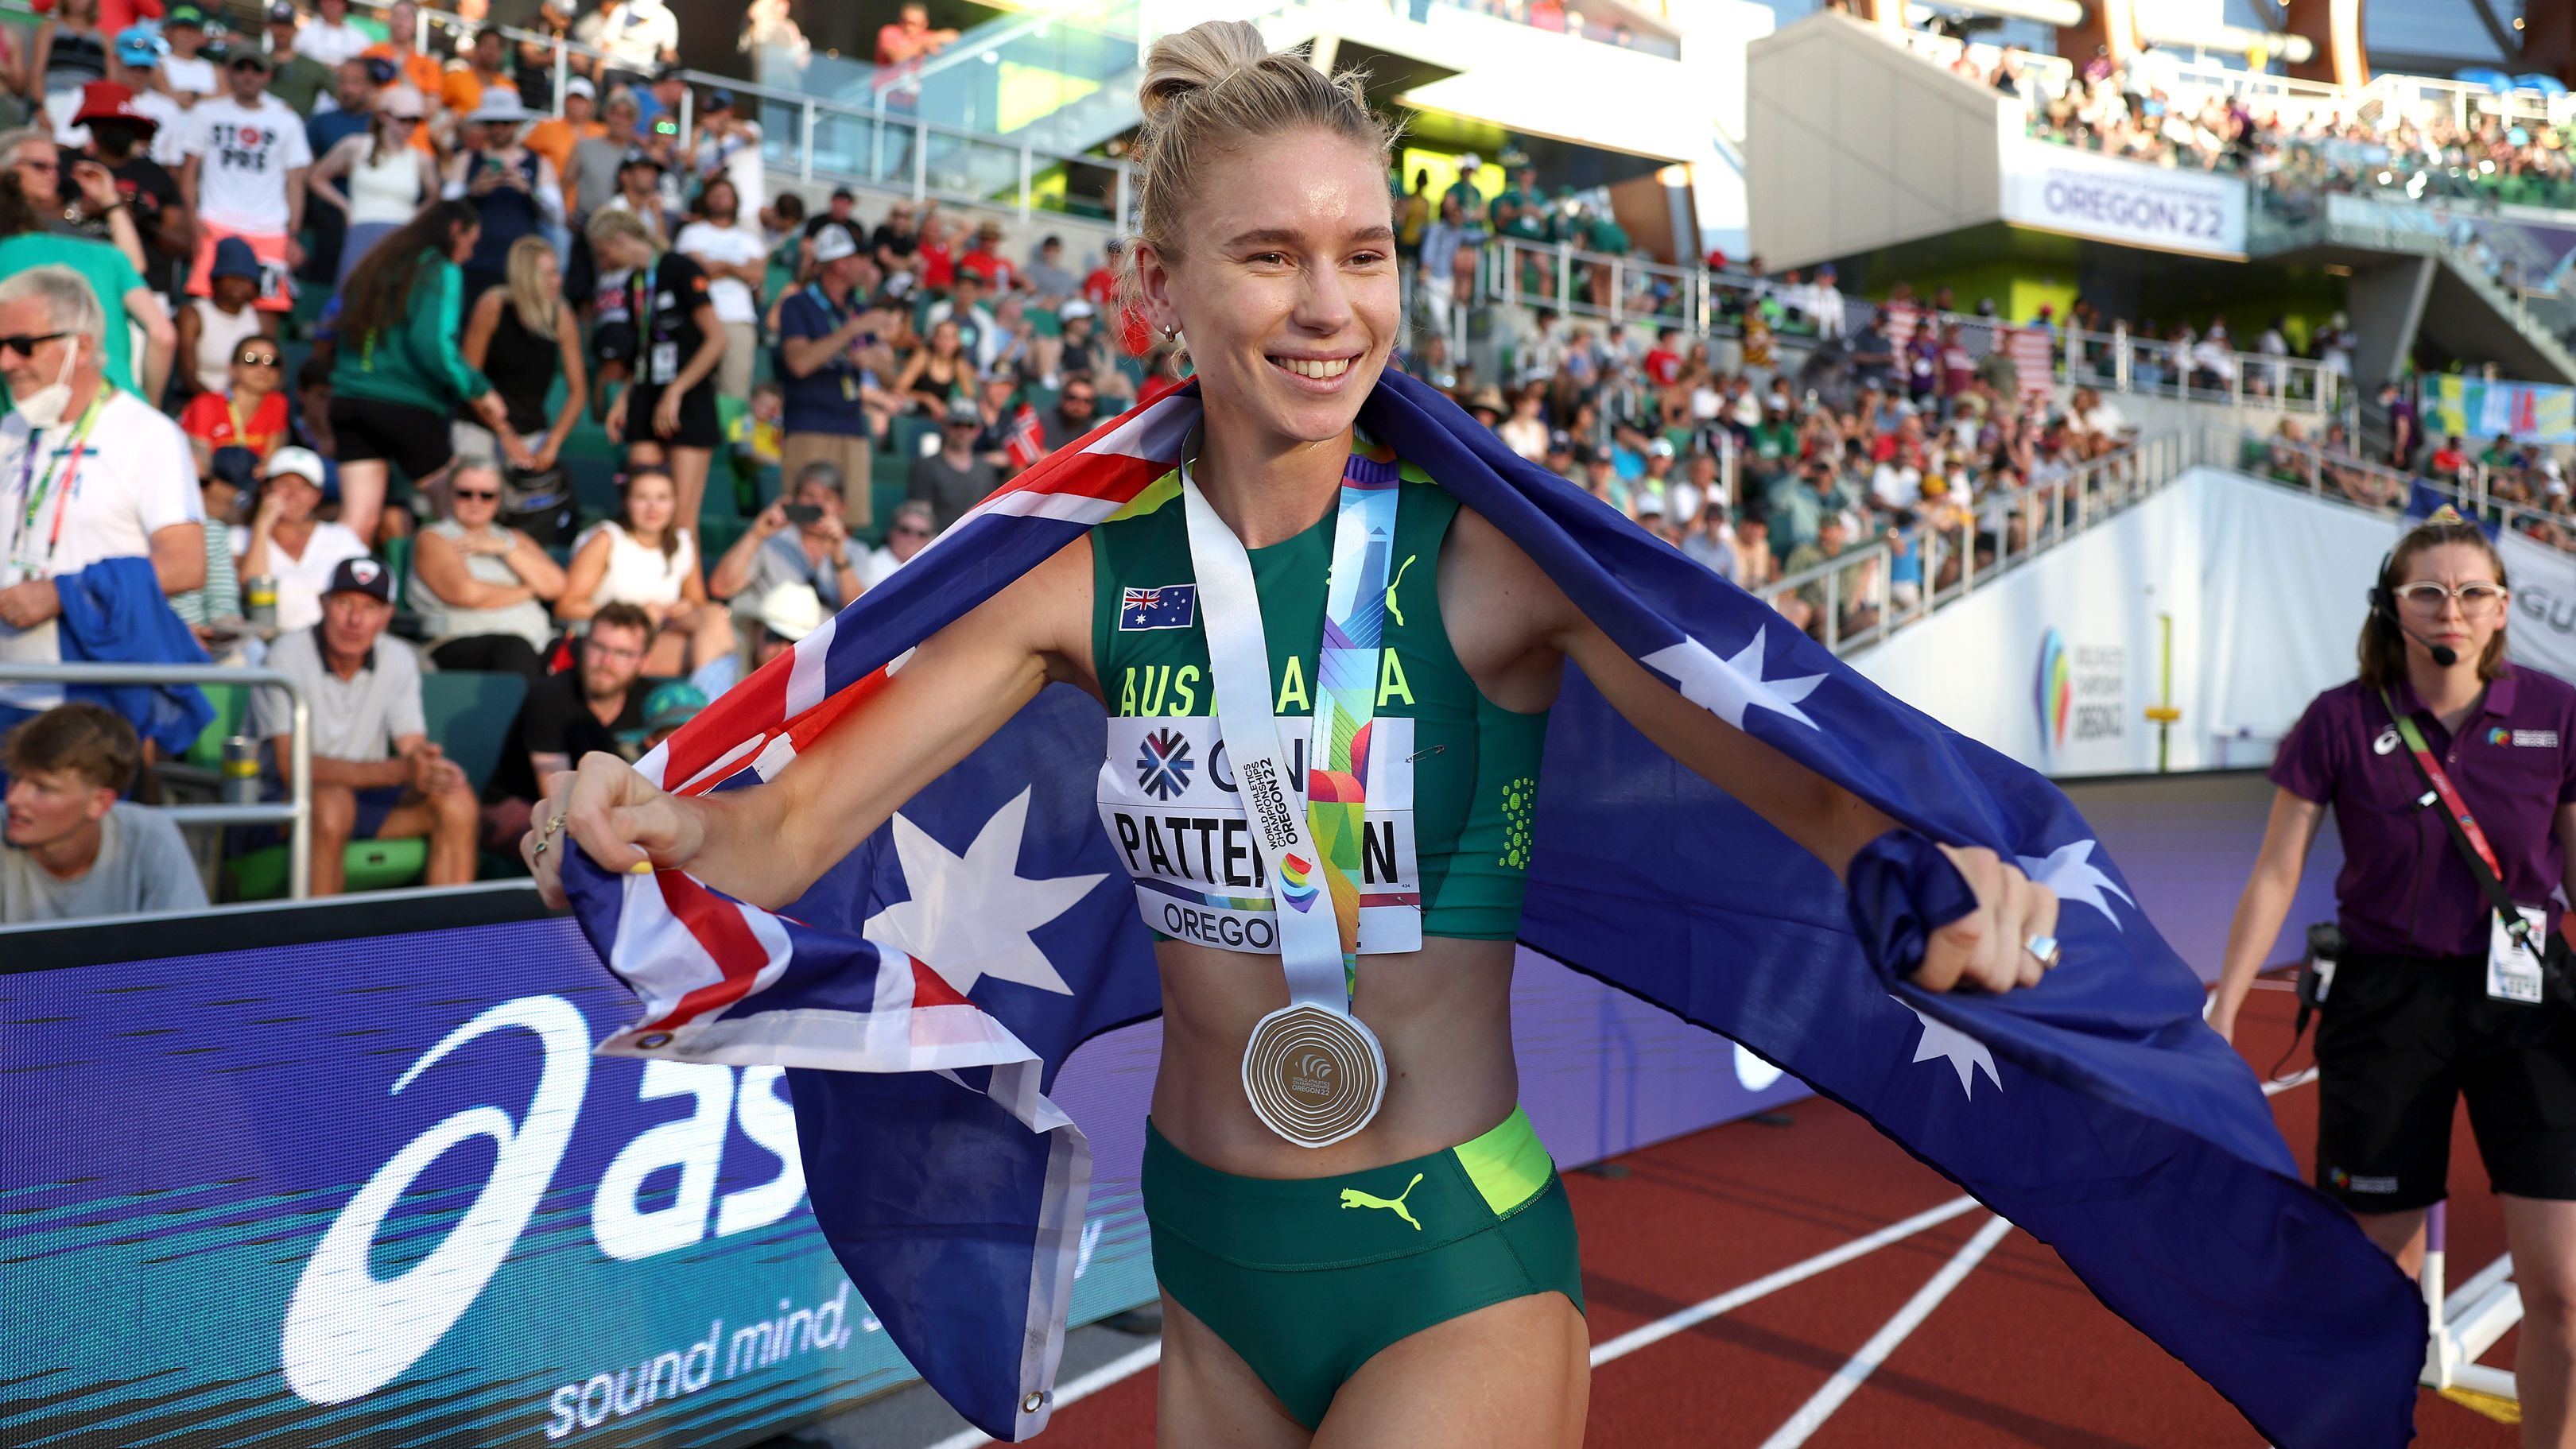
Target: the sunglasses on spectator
(476, 495)
(257, 359)
(24, 345)
(1084, 398)
(908, 530)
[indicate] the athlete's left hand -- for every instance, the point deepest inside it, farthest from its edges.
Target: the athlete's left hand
(1989, 948)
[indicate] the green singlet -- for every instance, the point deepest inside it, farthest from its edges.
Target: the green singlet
(1452, 776)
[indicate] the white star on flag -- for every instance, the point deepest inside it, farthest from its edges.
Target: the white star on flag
(1965, 1053)
(2069, 870)
(1725, 687)
(970, 916)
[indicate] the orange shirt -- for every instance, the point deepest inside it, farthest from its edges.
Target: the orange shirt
(419, 71)
(460, 90)
(553, 138)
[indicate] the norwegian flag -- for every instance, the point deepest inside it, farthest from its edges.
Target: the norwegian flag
(1026, 442)
(926, 989)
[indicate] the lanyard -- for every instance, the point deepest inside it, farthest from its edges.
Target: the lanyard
(1313, 1072)
(2514, 923)
(33, 493)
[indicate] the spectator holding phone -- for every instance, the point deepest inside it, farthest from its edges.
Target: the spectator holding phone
(800, 539)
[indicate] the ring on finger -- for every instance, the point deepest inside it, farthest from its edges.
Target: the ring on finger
(555, 824)
(540, 850)
(2045, 950)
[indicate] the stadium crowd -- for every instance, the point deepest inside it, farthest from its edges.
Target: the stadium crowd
(371, 370)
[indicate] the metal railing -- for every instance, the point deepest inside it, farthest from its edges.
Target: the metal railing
(2326, 473)
(296, 815)
(1942, 558)
(2117, 361)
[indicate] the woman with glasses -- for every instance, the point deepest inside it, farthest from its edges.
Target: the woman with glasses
(377, 179)
(481, 589)
(2431, 999)
(249, 414)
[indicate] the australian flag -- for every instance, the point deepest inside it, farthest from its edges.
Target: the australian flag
(1171, 606)
(927, 989)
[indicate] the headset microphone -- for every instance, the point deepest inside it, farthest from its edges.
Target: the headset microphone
(2384, 600)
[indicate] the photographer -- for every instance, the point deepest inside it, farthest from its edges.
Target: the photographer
(2433, 996)
(800, 539)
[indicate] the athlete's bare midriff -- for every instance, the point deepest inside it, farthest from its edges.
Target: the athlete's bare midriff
(1442, 1013)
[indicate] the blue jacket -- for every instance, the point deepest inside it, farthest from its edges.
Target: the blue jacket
(114, 613)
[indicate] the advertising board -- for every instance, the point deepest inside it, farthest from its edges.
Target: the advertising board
(2060, 189)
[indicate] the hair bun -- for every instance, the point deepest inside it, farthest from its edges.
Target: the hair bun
(1200, 58)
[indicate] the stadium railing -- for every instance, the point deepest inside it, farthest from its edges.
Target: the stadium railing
(296, 814)
(2328, 473)
(2022, 523)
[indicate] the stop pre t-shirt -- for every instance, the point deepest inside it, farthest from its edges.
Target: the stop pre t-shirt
(245, 153)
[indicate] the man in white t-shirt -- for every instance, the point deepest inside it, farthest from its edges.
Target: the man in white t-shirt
(329, 37)
(640, 37)
(183, 74)
(728, 145)
(736, 260)
(244, 177)
(91, 471)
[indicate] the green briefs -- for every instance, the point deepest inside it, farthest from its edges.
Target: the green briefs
(1308, 1278)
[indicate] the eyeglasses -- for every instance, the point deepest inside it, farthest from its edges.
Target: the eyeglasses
(2427, 597)
(1083, 398)
(475, 495)
(595, 649)
(257, 359)
(24, 345)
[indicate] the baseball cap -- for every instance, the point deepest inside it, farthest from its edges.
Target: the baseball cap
(833, 242)
(281, 13)
(304, 463)
(234, 258)
(963, 410)
(356, 575)
(791, 611)
(1560, 441)
(581, 86)
(380, 71)
(237, 53)
(676, 702)
(184, 15)
(1660, 447)
(638, 156)
(108, 101)
(1077, 307)
(139, 45)
(719, 99)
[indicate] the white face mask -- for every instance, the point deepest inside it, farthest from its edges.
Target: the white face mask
(46, 405)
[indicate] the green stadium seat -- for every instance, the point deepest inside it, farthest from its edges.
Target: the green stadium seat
(370, 865)
(396, 553)
(469, 714)
(232, 706)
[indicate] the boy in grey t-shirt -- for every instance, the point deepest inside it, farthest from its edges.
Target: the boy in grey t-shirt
(77, 850)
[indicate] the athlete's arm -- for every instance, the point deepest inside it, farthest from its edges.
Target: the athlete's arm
(1519, 623)
(768, 843)
(2268, 891)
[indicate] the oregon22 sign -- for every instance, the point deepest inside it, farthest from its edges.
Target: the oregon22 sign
(380, 1191)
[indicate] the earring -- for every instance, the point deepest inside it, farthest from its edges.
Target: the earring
(1170, 331)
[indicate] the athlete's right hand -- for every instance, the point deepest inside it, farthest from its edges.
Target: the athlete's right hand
(617, 815)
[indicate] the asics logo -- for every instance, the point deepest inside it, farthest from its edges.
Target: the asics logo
(1352, 1197)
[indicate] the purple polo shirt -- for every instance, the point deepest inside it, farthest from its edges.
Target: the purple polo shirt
(2404, 889)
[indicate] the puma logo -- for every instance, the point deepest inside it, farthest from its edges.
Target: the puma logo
(1394, 583)
(1352, 1197)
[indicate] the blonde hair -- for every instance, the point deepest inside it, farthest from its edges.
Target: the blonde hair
(535, 306)
(1216, 84)
(611, 223)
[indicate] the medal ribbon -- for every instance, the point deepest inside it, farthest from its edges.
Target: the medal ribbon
(1312, 855)
(2516, 925)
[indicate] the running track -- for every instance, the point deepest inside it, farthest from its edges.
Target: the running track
(2017, 1353)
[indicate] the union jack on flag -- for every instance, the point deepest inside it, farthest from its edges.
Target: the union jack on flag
(926, 990)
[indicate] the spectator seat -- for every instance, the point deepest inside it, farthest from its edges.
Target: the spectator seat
(469, 715)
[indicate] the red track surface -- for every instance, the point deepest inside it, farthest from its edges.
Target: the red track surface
(2019, 1355)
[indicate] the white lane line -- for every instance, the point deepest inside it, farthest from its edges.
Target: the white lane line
(1126, 1366)
(1635, 1338)
(1812, 1414)
(1663, 1328)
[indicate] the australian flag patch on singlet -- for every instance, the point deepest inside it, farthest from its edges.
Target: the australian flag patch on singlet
(1171, 606)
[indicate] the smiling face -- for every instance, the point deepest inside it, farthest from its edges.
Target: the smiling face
(1289, 305)
(649, 504)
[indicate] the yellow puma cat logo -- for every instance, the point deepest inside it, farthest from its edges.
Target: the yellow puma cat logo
(1390, 596)
(1352, 1197)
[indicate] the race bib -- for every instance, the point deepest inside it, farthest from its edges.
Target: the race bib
(2513, 971)
(664, 365)
(1174, 814)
